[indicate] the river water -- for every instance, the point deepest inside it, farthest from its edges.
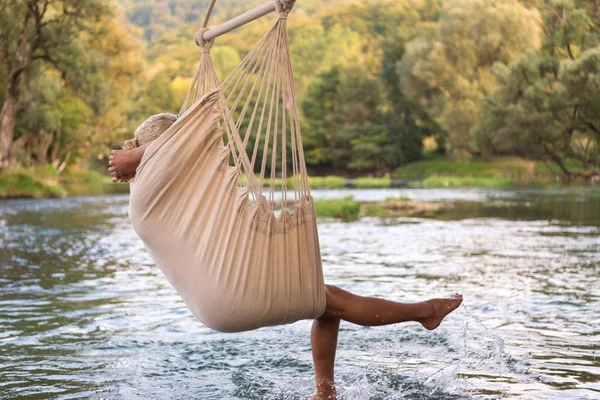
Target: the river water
(84, 313)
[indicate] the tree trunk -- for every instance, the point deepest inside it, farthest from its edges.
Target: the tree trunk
(64, 163)
(8, 116)
(558, 160)
(43, 145)
(19, 153)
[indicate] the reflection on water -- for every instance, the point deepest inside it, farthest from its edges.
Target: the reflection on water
(85, 314)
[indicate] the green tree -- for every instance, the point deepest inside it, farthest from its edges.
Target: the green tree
(316, 49)
(406, 122)
(154, 98)
(42, 31)
(392, 134)
(50, 123)
(337, 108)
(449, 75)
(546, 105)
(120, 73)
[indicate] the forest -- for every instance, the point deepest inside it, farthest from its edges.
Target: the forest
(380, 84)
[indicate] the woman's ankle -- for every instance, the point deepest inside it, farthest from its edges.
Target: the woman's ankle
(325, 391)
(325, 396)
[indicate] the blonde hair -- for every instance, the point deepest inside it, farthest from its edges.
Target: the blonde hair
(150, 129)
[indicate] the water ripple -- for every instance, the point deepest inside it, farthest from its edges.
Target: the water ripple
(84, 313)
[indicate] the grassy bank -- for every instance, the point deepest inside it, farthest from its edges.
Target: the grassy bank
(433, 172)
(22, 184)
(441, 172)
(499, 171)
(346, 209)
(47, 182)
(338, 182)
(40, 183)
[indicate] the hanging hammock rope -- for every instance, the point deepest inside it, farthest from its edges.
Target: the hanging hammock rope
(258, 102)
(208, 13)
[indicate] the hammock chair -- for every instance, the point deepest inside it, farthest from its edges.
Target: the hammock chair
(240, 260)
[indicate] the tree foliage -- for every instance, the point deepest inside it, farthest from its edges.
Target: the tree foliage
(449, 74)
(373, 79)
(546, 106)
(54, 52)
(355, 115)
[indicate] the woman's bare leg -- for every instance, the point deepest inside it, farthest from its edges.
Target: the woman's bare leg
(373, 311)
(323, 340)
(366, 311)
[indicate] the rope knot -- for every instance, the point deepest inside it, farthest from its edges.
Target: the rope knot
(207, 46)
(284, 7)
(282, 15)
(199, 40)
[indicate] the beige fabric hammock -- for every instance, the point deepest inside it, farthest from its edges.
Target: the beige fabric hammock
(197, 200)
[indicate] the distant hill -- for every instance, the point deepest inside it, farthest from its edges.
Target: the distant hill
(156, 18)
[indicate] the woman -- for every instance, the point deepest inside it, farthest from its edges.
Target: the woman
(340, 304)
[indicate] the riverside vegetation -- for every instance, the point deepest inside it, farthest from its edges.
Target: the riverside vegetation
(434, 93)
(435, 172)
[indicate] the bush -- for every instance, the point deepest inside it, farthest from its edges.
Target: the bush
(326, 182)
(347, 209)
(22, 184)
(372, 183)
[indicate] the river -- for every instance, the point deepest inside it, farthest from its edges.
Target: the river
(84, 313)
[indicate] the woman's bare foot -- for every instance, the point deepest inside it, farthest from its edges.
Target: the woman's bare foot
(439, 309)
(116, 177)
(123, 163)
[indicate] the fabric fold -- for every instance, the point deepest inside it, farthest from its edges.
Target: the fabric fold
(236, 266)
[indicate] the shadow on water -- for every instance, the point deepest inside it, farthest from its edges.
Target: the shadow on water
(84, 313)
